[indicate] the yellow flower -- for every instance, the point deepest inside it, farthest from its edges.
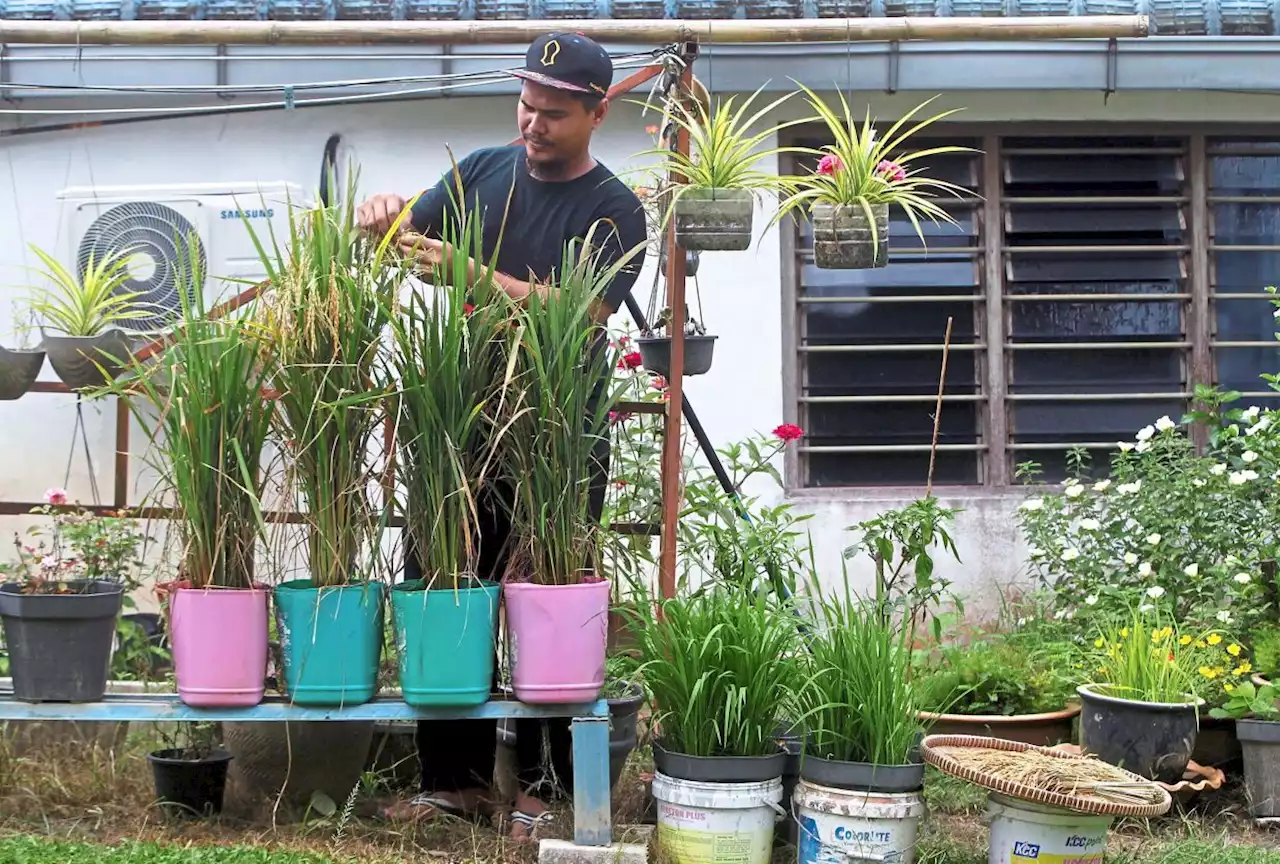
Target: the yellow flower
(1243, 669)
(1199, 643)
(1206, 672)
(1233, 650)
(1185, 640)
(1124, 632)
(1098, 643)
(1166, 632)
(1230, 688)
(1214, 639)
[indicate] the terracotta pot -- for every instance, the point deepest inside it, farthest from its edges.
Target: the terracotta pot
(1043, 730)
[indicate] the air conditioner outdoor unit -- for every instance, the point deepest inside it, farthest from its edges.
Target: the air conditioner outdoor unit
(165, 225)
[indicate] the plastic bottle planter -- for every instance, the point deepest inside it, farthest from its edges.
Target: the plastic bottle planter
(433, 10)
(571, 9)
(60, 644)
(1260, 740)
(166, 10)
(18, 371)
(445, 641)
(639, 9)
(219, 645)
(37, 10)
(773, 8)
(331, 641)
(1247, 18)
(190, 787)
(705, 9)
(1179, 18)
(714, 220)
(843, 8)
(557, 636)
(76, 359)
(234, 10)
(979, 8)
(96, 10)
(1150, 739)
(368, 10)
(655, 354)
(842, 238)
(302, 10)
(502, 10)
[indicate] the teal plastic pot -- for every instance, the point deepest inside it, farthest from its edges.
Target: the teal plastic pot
(445, 641)
(330, 640)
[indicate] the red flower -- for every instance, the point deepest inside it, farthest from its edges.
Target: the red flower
(788, 432)
(468, 308)
(830, 164)
(652, 130)
(659, 382)
(630, 361)
(620, 484)
(616, 417)
(892, 171)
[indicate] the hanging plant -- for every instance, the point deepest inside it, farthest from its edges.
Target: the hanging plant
(857, 178)
(20, 366)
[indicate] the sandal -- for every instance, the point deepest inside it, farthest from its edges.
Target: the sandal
(432, 806)
(530, 822)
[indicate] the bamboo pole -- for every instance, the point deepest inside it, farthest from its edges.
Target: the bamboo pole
(523, 32)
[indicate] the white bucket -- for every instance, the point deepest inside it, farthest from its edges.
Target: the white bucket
(1026, 833)
(716, 823)
(840, 826)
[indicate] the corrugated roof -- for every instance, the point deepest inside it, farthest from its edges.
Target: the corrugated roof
(1169, 17)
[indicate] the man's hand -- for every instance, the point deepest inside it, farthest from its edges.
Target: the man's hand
(427, 252)
(380, 212)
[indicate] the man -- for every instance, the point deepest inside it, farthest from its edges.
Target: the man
(551, 191)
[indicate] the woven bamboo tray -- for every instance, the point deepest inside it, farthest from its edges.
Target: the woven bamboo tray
(929, 751)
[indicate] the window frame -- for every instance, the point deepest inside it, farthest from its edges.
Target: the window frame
(995, 470)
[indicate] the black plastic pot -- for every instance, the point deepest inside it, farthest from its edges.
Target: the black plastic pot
(80, 361)
(623, 713)
(785, 833)
(1151, 739)
(719, 769)
(862, 776)
(190, 787)
(18, 371)
(1260, 741)
(60, 644)
(655, 353)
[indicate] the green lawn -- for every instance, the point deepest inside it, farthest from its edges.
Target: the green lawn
(32, 850)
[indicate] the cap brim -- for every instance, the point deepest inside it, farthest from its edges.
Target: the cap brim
(547, 81)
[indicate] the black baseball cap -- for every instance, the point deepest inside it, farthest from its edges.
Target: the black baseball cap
(568, 61)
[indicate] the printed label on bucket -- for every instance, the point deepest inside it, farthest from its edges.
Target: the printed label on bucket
(696, 846)
(1082, 849)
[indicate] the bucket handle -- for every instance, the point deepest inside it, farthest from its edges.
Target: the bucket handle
(782, 812)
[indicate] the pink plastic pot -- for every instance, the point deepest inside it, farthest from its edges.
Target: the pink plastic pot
(557, 636)
(219, 638)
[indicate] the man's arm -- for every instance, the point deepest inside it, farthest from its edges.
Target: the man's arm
(430, 211)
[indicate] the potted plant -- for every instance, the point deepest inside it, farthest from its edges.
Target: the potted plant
(332, 292)
(557, 600)
(190, 772)
(81, 317)
(1142, 713)
(626, 697)
(857, 178)
(60, 602)
(201, 402)
(654, 345)
(20, 366)
(1257, 714)
(449, 424)
(713, 203)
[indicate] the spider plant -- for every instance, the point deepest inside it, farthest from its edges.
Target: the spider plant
(201, 404)
(719, 668)
(88, 304)
(332, 294)
(863, 169)
(558, 438)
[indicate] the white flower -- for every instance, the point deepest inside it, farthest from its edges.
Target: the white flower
(1276, 314)
(1218, 470)
(1249, 474)
(1164, 424)
(1032, 504)
(1155, 592)
(1060, 614)
(1261, 426)
(1144, 569)
(1237, 478)
(1090, 524)
(1248, 457)
(1126, 488)
(1124, 446)
(1102, 486)
(1224, 616)
(1197, 482)
(1145, 608)
(1192, 569)
(1153, 539)
(1035, 551)
(1250, 413)
(1070, 554)
(1074, 491)
(1130, 558)
(1243, 578)
(1145, 433)
(1091, 600)
(1022, 622)
(1143, 446)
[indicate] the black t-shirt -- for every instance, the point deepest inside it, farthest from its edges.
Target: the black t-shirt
(541, 218)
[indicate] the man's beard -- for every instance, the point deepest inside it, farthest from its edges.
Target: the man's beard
(550, 170)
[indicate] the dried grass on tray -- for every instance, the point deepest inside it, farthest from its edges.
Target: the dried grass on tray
(1078, 778)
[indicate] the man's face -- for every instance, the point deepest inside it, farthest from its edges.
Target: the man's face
(555, 125)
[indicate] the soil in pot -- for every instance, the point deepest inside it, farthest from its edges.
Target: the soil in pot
(1260, 742)
(1150, 739)
(862, 776)
(76, 359)
(719, 769)
(188, 784)
(60, 644)
(1042, 730)
(18, 371)
(843, 238)
(714, 220)
(624, 711)
(655, 353)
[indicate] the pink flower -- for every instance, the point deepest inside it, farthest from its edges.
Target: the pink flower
(630, 361)
(55, 496)
(788, 432)
(616, 417)
(892, 171)
(830, 164)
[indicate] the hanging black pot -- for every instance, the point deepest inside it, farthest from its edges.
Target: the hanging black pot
(77, 359)
(18, 371)
(655, 353)
(188, 786)
(843, 237)
(60, 644)
(714, 220)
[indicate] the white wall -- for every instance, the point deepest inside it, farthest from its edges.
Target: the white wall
(401, 148)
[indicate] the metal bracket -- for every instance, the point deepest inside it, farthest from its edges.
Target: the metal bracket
(894, 59)
(222, 73)
(1113, 61)
(446, 69)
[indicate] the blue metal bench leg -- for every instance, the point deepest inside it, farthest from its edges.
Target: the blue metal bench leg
(592, 817)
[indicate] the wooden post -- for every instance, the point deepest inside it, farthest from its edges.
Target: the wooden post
(523, 32)
(672, 488)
